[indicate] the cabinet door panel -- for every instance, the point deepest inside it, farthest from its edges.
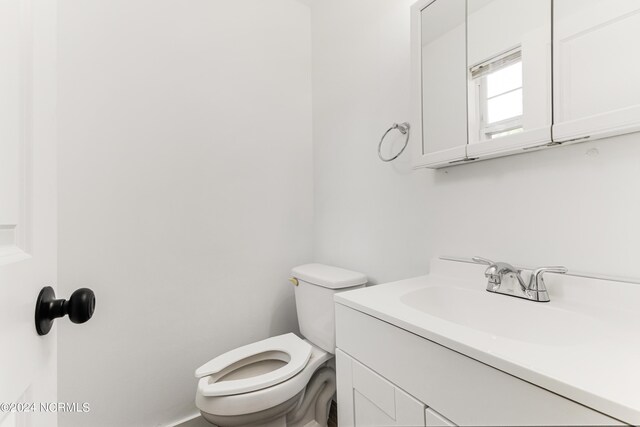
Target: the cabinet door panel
(375, 388)
(367, 399)
(368, 414)
(434, 419)
(344, 390)
(597, 91)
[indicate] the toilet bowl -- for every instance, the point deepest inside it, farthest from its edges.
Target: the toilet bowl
(263, 382)
(283, 380)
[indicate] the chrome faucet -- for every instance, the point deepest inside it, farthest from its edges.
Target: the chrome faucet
(505, 279)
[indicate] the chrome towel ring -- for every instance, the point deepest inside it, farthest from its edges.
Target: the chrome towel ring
(404, 129)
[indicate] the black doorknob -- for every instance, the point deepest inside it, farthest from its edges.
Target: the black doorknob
(79, 307)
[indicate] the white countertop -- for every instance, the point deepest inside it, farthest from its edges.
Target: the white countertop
(584, 345)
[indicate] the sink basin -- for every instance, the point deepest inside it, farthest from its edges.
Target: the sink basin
(506, 317)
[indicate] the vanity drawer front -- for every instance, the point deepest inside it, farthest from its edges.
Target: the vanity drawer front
(462, 389)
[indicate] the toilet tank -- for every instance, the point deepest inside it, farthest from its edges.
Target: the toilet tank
(316, 284)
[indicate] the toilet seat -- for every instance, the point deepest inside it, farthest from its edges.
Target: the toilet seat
(263, 399)
(287, 348)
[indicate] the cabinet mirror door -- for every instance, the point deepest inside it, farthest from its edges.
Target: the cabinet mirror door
(596, 67)
(508, 75)
(439, 28)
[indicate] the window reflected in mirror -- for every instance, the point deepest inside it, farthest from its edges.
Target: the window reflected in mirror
(498, 86)
(509, 77)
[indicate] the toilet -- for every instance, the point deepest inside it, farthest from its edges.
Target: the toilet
(283, 380)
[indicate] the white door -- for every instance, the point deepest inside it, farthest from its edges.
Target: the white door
(27, 207)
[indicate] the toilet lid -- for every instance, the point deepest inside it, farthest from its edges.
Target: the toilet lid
(287, 348)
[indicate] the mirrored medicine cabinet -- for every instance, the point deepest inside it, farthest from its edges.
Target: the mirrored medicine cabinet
(499, 77)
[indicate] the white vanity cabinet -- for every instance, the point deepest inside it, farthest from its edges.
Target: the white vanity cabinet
(388, 376)
(596, 68)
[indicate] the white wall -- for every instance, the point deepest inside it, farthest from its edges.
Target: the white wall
(185, 192)
(577, 205)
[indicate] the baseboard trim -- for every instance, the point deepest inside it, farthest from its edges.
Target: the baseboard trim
(184, 420)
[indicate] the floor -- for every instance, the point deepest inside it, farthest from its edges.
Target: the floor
(333, 415)
(196, 422)
(200, 422)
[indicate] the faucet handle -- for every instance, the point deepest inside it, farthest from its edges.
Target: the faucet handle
(490, 273)
(537, 273)
(480, 260)
(537, 288)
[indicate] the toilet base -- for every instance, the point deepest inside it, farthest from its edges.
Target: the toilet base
(309, 408)
(272, 417)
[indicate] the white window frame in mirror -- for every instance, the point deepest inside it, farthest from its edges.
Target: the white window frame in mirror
(479, 75)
